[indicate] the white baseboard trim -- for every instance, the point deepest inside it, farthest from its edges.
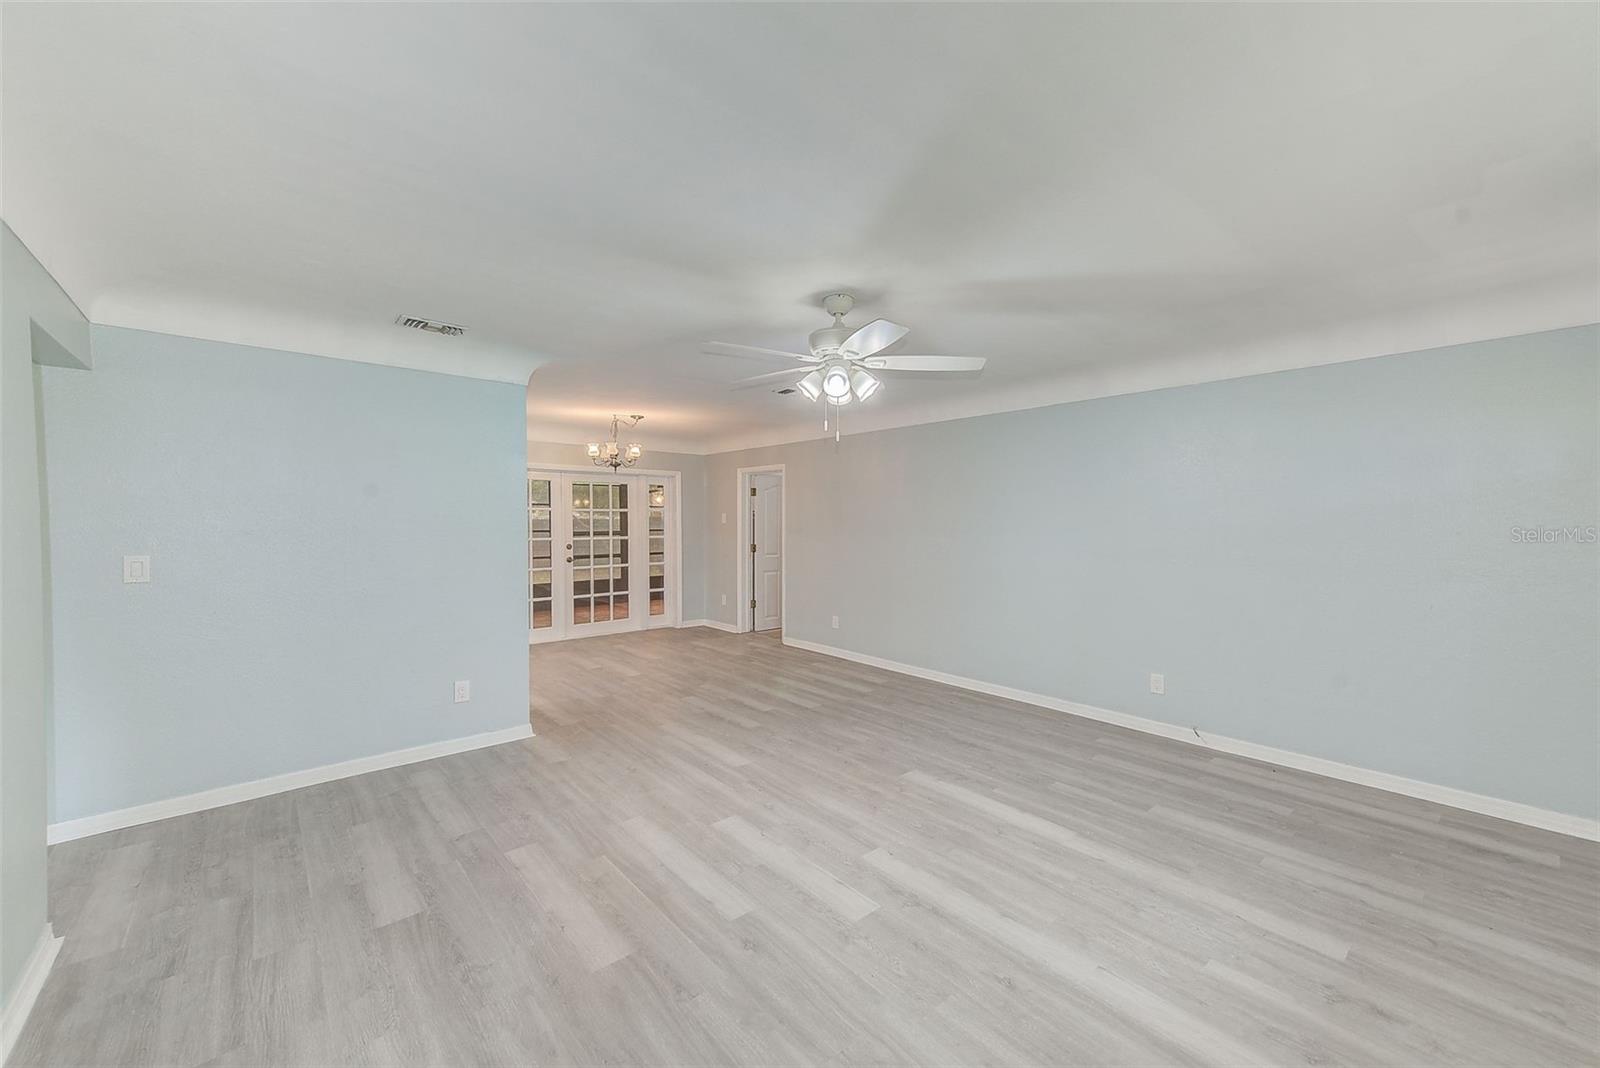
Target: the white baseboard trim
(1517, 812)
(714, 624)
(67, 830)
(29, 983)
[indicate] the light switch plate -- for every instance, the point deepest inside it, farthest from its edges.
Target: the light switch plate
(135, 569)
(1158, 683)
(463, 691)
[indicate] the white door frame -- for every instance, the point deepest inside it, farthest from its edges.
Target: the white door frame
(674, 558)
(741, 556)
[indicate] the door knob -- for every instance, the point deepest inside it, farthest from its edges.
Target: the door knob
(569, 559)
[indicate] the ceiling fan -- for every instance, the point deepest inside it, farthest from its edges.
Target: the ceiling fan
(842, 361)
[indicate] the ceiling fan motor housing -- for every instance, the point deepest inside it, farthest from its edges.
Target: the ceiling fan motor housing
(826, 342)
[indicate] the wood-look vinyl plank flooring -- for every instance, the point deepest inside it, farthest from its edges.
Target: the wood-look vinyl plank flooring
(722, 850)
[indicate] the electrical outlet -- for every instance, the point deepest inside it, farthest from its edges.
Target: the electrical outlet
(724, 600)
(835, 622)
(463, 691)
(724, 518)
(135, 569)
(1158, 683)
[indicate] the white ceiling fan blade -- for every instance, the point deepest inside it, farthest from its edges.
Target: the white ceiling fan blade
(768, 379)
(722, 348)
(874, 337)
(924, 363)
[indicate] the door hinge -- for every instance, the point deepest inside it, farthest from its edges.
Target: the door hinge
(752, 604)
(752, 546)
(752, 491)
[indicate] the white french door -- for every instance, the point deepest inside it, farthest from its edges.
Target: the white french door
(598, 553)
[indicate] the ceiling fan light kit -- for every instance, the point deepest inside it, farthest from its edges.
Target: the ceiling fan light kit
(839, 367)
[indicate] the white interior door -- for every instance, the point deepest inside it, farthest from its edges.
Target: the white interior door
(766, 523)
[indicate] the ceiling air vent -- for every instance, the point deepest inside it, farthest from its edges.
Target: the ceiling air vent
(431, 326)
(785, 391)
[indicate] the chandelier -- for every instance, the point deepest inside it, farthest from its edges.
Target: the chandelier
(610, 453)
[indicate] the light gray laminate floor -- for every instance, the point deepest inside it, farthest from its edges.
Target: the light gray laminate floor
(722, 850)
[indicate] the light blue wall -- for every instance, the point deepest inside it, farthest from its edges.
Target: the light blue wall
(334, 543)
(691, 477)
(38, 324)
(1319, 560)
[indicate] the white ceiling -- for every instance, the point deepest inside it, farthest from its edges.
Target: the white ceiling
(1097, 198)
